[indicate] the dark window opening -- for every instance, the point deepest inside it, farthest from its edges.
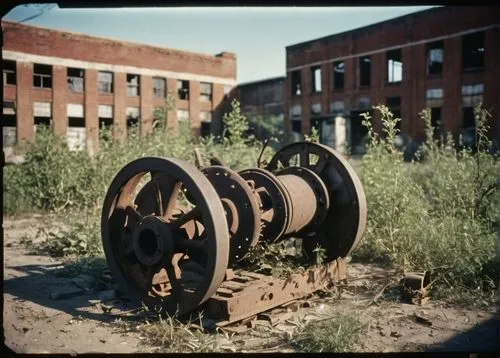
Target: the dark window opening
(394, 66)
(42, 76)
(206, 129)
(394, 105)
(105, 122)
(133, 85)
(296, 83)
(205, 92)
(9, 72)
(297, 126)
(473, 51)
(365, 71)
(183, 90)
(105, 82)
(436, 121)
(76, 79)
(359, 132)
(132, 122)
(9, 120)
(469, 120)
(159, 87)
(338, 75)
(435, 55)
(42, 121)
(316, 78)
(76, 122)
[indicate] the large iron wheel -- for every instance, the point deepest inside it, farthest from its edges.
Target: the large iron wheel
(163, 250)
(345, 223)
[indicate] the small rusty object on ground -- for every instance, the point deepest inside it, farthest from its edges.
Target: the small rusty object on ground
(423, 320)
(178, 236)
(416, 287)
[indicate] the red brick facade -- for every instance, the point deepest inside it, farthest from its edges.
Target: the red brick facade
(27, 45)
(412, 34)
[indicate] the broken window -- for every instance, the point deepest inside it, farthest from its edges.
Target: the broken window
(159, 87)
(206, 123)
(183, 90)
(337, 107)
(296, 83)
(9, 72)
(132, 116)
(75, 79)
(436, 121)
(394, 104)
(76, 122)
(316, 109)
(9, 124)
(133, 85)
(316, 78)
(472, 94)
(105, 82)
(435, 54)
(42, 121)
(394, 66)
(338, 75)
(365, 71)
(205, 92)
(473, 51)
(42, 76)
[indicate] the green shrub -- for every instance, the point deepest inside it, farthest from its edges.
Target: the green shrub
(432, 215)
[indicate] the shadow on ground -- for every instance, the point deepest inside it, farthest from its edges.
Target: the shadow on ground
(41, 281)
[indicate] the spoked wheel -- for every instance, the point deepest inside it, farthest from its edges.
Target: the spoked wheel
(163, 250)
(345, 222)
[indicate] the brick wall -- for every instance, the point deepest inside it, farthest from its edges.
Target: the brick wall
(400, 32)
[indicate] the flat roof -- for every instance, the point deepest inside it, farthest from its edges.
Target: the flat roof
(262, 82)
(357, 31)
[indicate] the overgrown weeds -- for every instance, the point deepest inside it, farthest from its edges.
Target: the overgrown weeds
(338, 334)
(436, 214)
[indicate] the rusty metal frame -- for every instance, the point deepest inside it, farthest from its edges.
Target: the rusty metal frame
(246, 294)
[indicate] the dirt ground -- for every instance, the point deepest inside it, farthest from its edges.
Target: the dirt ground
(35, 321)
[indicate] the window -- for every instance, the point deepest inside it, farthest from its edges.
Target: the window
(9, 72)
(473, 51)
(42, 76)
(133, 85)
(227, 91)
(132, 116)
(75, 79)
(316, 78)
(296, 83)
(316, 109)
(205, 92)
(296, 126)
(435, 53)
(364, 103)
(182, 115)
(183, 90)
(105, 82)
(394, 66)
(159, 86)
(436, 121)
(206, 123)
(468, 120)
(337, 107)
(365, 71)
(434, 97)
(76, 122)
(472, 94)
(338, 75)
(394, 104)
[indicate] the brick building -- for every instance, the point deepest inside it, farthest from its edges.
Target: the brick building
(264, 99)
(446, 58)
(80, 83)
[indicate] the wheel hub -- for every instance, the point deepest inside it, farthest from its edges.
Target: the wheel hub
(152, 240)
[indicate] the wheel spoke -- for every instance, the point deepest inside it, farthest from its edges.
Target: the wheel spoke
(320, 164)
(194, 214)
(133, 217)
(174, 280)
(304, 157)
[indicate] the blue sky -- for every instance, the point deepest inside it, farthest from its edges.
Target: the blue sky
(258, 36)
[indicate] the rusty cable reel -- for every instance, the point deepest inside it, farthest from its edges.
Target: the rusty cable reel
(241, 208)
(345, 222)
(162, 250)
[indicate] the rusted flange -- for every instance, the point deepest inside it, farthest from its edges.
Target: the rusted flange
(241, 207)
(275, 202)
